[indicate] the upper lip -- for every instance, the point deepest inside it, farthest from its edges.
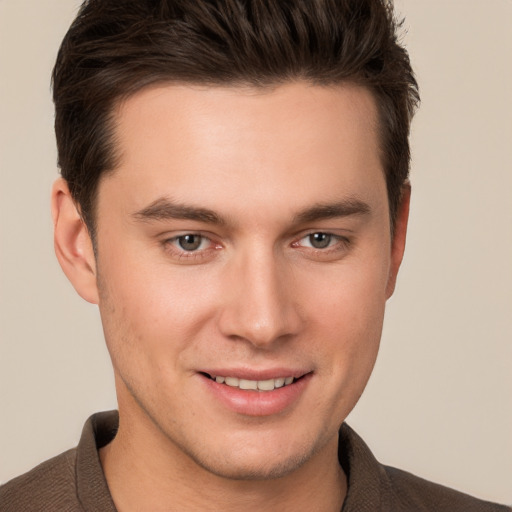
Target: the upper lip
(252, 374)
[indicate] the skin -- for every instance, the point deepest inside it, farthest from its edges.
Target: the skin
(258, 293)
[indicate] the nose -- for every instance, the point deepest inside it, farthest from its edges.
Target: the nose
(259, 304)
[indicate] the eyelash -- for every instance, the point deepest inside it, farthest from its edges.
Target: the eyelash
(339, 240)
(337, 244)
(171, 245)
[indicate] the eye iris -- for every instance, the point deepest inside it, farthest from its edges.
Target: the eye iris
(320, 240)
(189, 242)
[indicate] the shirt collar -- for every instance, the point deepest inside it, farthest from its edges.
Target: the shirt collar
(366, 477)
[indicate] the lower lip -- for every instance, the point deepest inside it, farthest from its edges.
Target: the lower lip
(257, 403)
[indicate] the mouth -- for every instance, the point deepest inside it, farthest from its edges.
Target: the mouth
(253, 385)
(256, 393)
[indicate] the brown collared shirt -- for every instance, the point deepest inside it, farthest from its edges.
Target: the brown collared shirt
(74, 481)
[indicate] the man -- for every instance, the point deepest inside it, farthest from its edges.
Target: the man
(235, 199)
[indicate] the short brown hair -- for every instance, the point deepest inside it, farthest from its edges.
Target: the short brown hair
(116, 47)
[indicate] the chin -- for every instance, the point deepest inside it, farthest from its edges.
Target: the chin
(252, 469)
(259, 456)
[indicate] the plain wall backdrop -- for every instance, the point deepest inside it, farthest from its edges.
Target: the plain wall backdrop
(439, 403)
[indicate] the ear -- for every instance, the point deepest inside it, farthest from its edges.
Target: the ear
(73, 245)
(399, 236)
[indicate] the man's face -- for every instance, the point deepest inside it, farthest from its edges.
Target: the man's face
(244, 237)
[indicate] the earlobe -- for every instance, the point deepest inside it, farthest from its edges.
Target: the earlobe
(73, 245)
(399, 237)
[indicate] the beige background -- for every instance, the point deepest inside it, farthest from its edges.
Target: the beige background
(439, 402)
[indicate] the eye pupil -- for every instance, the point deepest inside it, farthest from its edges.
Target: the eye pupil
(189, 242)
(320, 240)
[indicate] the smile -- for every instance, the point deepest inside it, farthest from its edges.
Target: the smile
(256, 392)
(254, 385)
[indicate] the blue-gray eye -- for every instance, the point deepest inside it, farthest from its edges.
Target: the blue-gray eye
(190, 242)
(320, 240)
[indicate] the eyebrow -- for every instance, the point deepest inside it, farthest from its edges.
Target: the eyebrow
(323, 211)
(165, 209)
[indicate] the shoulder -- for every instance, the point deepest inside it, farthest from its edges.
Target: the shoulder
(415, 493)
(52, 483)
(71, 482)
(373, 486)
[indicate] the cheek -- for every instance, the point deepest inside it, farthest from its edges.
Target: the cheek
(148, 308)
(350, 334)
(347, 316)
(347, 349)
(349, 298)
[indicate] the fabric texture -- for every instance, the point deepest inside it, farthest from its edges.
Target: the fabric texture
(74, 481)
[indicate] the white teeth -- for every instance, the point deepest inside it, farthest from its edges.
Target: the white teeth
(255, 385)
(248, 384)
(266, 385)
(279, 383)
(232, 381)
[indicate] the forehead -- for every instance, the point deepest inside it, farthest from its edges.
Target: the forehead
(214, 145)
(340, 111)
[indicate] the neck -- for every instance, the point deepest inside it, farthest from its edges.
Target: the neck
(145, 471)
